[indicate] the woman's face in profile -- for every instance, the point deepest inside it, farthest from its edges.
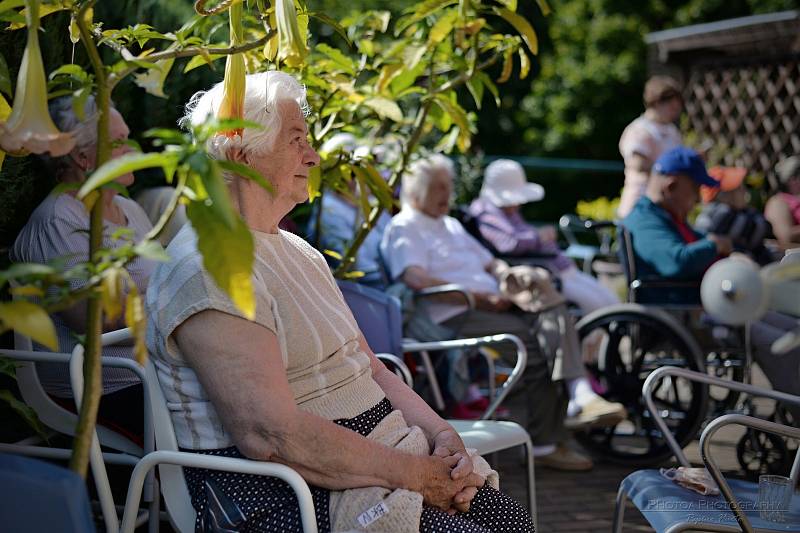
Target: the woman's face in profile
(118, 133)
(289, 161)
(437, 200)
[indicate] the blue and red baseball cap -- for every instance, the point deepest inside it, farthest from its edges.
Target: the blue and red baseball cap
(684, 160)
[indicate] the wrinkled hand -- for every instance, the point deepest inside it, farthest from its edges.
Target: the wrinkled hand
(440, 490)
(448, 444)
(547, 234)
(723, 242)
(495, 303)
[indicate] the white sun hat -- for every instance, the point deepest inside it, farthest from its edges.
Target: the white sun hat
(505, 184)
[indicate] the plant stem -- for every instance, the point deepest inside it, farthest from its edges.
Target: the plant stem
(349, 256)
(188, 52)
(93, 385)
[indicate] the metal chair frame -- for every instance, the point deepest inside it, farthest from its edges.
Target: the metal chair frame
(705, 442)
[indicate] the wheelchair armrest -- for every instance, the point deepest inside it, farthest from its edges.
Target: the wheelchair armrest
(450, 288)
(639, 284)
(476, 342)
(655, 377)
(750, 422)
(591, 224)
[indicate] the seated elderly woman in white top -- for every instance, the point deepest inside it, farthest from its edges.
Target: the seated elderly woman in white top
(424, 247)
(497, 210)
(298, 384)
(59, 228)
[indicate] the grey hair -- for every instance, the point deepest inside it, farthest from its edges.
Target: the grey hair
(263, 91)
(417, 180)
(84, 131)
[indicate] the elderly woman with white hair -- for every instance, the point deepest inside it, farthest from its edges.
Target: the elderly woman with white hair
(298, 383)
(497, 211)
(424, 247)
(59, 229)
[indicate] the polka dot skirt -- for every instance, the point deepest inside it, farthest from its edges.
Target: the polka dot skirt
(266, 504)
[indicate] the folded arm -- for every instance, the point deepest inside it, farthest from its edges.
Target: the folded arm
(239, 365)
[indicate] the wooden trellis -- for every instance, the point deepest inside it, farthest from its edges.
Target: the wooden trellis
(752, 108)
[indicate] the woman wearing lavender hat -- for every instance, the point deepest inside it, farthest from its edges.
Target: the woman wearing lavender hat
(497, 211)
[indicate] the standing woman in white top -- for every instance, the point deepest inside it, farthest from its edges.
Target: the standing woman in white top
(59, 229)
(647, 137)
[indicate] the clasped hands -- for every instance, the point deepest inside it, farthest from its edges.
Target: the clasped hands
(452, 484)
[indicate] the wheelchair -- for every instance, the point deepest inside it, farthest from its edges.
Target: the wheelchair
(639, 337)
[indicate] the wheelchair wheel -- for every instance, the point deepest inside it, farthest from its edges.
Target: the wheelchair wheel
(634, 341)
(762, 453)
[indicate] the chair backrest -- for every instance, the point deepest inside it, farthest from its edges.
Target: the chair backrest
(40, 496)
(49, 412)
(627, 258)
(378, 315)
(173, 484)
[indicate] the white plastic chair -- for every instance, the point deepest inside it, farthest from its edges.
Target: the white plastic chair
(170, 462)
(61, 420)
(488, 436)
(52, 415)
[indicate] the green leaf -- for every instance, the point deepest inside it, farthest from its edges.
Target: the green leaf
(380, 189)
(8, 5)
(246, 172)
(544, 7)
(120, 166)
(475, 86)
(522, 26)
(8, 367)
(322, 17)
(5, 79)
(459, 116)
(363, 195)
(152, 81)
(420, 11)
(30, 320)
(151, 250)
(341, 60)
(510, 4)
(25, 412)
(489, 84)
(443, 27)
(385, 108)
(218, 198)
(136, 320)
(200, 60)
(314, 183)
(524, 64)
(227, 255)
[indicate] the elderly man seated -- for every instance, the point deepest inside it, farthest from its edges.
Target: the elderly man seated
(665, 247)
(424, 247)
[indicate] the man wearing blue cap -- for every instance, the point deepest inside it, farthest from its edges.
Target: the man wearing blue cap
(664, 245)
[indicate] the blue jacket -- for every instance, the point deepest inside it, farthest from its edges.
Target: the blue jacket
(662, 254)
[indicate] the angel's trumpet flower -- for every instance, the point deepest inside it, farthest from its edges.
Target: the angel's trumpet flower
(233, 87)
(29, 128)
(291, 43)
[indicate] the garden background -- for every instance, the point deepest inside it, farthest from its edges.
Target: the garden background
(585, 86)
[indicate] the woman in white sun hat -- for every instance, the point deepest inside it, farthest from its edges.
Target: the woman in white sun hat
(497, 212)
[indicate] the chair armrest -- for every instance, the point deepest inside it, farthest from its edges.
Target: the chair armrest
(476, 342)
(224, 464)
(655, 377)
(401, 369)
(747, 421)
(449, 288)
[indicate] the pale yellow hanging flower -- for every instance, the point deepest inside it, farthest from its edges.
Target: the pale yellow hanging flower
(233, 88)
(292, 48)
(29, 128)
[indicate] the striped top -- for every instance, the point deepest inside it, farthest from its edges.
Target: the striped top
(296, 298)
(59, 228)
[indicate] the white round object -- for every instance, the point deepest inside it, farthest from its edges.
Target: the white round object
(733, 293)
